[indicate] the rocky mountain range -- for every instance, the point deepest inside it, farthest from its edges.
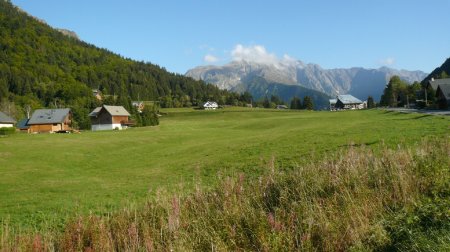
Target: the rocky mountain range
(357, 81)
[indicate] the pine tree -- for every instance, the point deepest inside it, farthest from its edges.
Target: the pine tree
(266, 102)
(149, 116)
(296, 103)
(370, 102)
(443, 75)
(308, 103)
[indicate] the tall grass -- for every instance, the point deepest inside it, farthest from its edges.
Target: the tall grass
(358, 199)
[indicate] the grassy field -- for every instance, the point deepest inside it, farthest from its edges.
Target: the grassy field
(46, 178)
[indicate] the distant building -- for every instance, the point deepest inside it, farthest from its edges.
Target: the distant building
(282, 107)
(97, 94)
(210, 105)
(333, 104)
(348, 102)
(443, 96)
(23, 126)
(138, 105)
(6, 121)
(50, 120)
(435, 83)
(109, 118)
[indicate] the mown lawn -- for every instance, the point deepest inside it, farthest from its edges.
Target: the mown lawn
(47, 177)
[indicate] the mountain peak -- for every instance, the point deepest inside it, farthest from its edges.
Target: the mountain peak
(358, 81)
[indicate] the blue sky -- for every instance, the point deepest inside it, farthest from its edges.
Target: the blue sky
(180, 35)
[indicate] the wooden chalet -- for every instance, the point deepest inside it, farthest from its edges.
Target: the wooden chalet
(50, 120)
(6, 121)
(109, 118)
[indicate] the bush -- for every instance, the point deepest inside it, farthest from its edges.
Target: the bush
(7, 130)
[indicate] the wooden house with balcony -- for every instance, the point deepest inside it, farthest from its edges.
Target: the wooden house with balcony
(110, 118)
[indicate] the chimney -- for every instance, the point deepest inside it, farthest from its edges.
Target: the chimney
(432, 79)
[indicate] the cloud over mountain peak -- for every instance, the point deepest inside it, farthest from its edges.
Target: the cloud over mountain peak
(255, 54)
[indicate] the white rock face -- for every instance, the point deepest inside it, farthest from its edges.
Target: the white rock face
(359, 82)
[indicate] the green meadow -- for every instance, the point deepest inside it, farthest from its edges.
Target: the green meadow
(47, 178)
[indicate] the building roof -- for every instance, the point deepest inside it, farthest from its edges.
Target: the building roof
(95, 111)
(112, 110)
(48, 116)
(22, 124)
(435, 83)
(445, 89)
(210, 104)
(348, 99)
(333, 101)
(4, 118)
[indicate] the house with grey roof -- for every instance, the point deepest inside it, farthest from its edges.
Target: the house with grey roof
(348, 102)
(109, 118)
(443, 95)
(50, 120)
(434, 83)
(6, 121)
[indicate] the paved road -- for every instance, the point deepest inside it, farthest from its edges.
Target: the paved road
(422, 111)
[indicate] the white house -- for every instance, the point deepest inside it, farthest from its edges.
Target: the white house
(210, 105)
(348, 102)
(6, 121)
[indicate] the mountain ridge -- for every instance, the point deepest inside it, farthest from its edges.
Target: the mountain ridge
(359, 81)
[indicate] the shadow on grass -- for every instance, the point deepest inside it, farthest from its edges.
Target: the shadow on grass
(414, 118)
(360, 144)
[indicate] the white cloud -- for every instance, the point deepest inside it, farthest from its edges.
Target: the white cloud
(389, 61)
(210, 58)
(259, 54)
(256, 53)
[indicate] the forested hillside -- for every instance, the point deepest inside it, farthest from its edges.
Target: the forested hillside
(42, 67)
(260, 88)
(441, 72)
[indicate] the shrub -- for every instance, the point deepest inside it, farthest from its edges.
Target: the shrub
(7, 130)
